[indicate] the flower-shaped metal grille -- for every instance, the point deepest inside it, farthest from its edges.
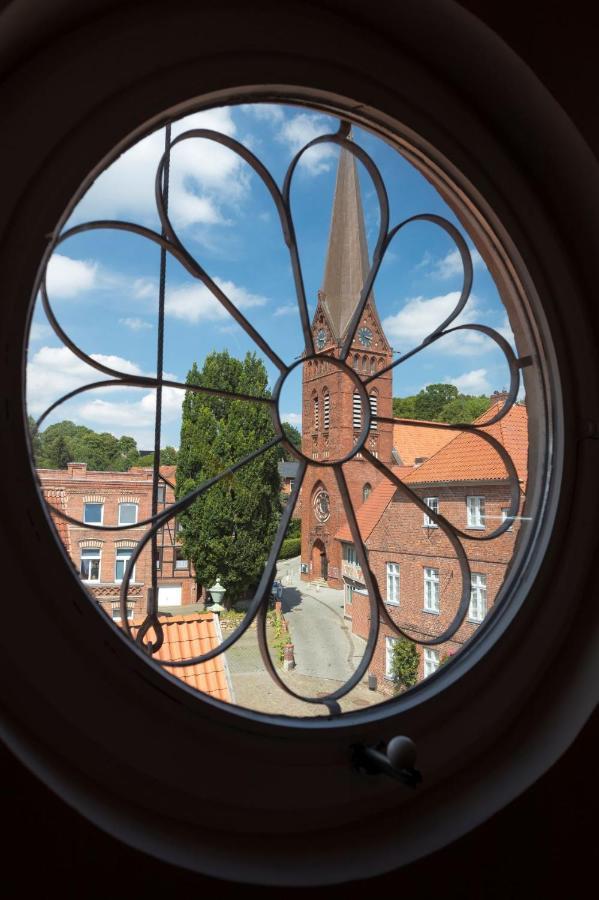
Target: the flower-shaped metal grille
(170, 243)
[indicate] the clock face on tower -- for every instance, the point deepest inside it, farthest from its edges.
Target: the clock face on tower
(321, 338)
(365, 336)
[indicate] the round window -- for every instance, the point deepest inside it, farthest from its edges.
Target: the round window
(223, 587)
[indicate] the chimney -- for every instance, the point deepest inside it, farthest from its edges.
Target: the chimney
(77, 470)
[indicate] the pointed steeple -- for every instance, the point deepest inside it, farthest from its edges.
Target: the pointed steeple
(347, 255)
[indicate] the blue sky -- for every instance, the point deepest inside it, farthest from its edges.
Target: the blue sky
(104, 285)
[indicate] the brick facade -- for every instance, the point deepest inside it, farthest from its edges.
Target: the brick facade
(328, 388)
(401, 538)
(70, 489)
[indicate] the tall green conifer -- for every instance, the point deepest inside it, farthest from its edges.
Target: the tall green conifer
(229, 530)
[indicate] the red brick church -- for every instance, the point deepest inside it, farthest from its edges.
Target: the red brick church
(457, 474)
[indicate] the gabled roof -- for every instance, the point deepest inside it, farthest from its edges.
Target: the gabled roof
(372, 509)
(288, 469)
(412, 440)
(186, 636)
(467, 458)
(169, 473)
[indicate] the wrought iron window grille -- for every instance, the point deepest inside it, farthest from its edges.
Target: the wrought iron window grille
(169, 243)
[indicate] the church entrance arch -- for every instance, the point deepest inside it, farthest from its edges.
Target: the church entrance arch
(320, 563)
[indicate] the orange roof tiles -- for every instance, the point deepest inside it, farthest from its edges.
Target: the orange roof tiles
(190, 635)
(412, 440)
(372, 509)
(469, 458)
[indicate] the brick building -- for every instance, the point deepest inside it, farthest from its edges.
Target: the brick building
(412, 559)
(332, 413)
(100, 557)
(458, 475)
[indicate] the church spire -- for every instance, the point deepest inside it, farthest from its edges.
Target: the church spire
(347, 262)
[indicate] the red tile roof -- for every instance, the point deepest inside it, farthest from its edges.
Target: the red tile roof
(469, 458)
(186, 636)
(412, 440)
(372, 509)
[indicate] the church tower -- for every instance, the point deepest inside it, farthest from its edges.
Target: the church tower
(331, 408)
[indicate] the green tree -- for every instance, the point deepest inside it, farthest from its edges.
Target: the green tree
(404, 407)
(294, 437)
(66, 442)
(430, 401)
(464, 408)
(168, 457)
(404, 664)
(229, 530)
(36, 441)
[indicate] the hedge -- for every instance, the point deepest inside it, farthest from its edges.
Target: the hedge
(290, 547)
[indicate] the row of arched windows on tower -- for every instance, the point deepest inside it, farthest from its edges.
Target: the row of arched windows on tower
(367, 365)
(373, 397)
(356, 412)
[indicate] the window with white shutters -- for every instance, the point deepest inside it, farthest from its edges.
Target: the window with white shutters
(326, 410)
(357, 412)
(374, 405)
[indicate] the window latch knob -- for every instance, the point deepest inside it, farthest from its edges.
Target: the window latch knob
(396, 759)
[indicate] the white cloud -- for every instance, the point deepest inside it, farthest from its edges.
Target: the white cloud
(39, 331)
(55, 371)
(419, 316)
(204, 176)
(136, 324)
(288, 310)
(264, 112)
(195, 303)
(144, 288)
(300, 130)
(292, 418)
(451, 264)
(66, 277)
(474, 382)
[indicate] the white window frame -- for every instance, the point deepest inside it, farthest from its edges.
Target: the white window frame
(161, 493)
(116, 611)
(475, 511)
(93, 503)
(128, 503)
(431, 661)
(86, 553)
(393, 584)
(390, 642)
(118, 557)
(504, 515)
(326, 410)
(431, 590)
(432, 503)
(478, 597)
(350, 555)
(181, 564)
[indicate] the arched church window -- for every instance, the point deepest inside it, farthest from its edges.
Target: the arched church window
(357, 412)
(326, 409)
(321, 503)
(365, 364)
(372, 365)
(374, 405)
(315, 413)
(366, 491)
(379, 365)
(356, 362)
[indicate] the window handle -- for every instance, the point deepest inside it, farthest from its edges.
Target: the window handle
(395, 759)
